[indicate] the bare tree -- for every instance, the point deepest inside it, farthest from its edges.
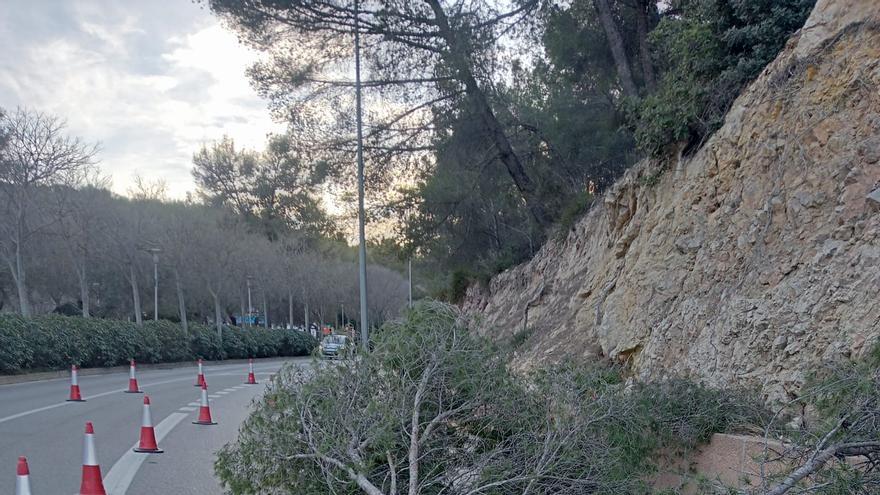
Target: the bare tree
(37, 155)
(217, 235)
(84, 221)
(144, 189)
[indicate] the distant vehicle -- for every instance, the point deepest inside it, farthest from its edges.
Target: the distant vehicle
(334, 346)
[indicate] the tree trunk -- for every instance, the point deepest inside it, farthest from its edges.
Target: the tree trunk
(615, 42)
(218, 315)
(642, 22)
(84, 290)
(20, 277)
(290, 307)
(135, 295)
(458, 58)
(181, 303)
(306, 317)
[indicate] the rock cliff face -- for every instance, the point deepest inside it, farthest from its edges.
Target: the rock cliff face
(749, 263)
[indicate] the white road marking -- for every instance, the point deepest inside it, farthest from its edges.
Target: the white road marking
(87, 397)
(214, 396)
(197, 404)
(187, 408)
(222, 392)
(122, 473)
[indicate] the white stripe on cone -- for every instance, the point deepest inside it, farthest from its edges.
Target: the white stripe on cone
(90, 457)
(73, 376)
(146, 417)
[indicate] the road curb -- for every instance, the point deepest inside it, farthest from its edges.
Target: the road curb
(53, 375)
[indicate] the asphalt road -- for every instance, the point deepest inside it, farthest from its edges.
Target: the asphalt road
(37, 422)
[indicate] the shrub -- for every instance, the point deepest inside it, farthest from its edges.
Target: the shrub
(574, 209)
(56, 341)
(458, 285)
(436, 393)
(709, 53)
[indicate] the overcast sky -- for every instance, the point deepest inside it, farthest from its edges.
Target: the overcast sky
(151, 80)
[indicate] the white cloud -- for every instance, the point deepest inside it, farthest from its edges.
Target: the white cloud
(151, 91)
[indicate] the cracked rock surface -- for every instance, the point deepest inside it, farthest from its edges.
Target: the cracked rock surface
(749, 263)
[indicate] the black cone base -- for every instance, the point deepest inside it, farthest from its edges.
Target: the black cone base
(148, 451)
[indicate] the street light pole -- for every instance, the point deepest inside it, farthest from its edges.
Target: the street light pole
(410, 281)
(362, 248)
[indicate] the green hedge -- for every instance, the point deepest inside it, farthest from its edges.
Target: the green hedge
(56, 342)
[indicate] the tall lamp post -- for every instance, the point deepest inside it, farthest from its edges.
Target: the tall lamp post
(362, 248)
(155, 252)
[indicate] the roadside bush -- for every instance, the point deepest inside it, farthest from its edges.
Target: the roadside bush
(205, 343)
(56, 341)
(435, 407)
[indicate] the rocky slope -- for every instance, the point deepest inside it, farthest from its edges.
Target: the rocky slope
(751, 262)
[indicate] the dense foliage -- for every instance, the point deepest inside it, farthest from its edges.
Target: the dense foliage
(56, 342)
(708, 53)
(578, 115)
(436, 408)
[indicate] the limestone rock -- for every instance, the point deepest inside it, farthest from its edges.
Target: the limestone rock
(748, 263)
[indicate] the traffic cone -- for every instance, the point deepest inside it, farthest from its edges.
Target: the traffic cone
(252, 380)
(74, 386)
(200, 380)
(204, 410)
(22, 478)
(92, 483)
(148, 434)
(132, 380)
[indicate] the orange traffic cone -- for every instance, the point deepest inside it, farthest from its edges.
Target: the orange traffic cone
(22, 478)
(148, 434)
(204, 410)
(252, 380)
(74, 386)
(132, 380)
(92, 483)
(200, 380)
